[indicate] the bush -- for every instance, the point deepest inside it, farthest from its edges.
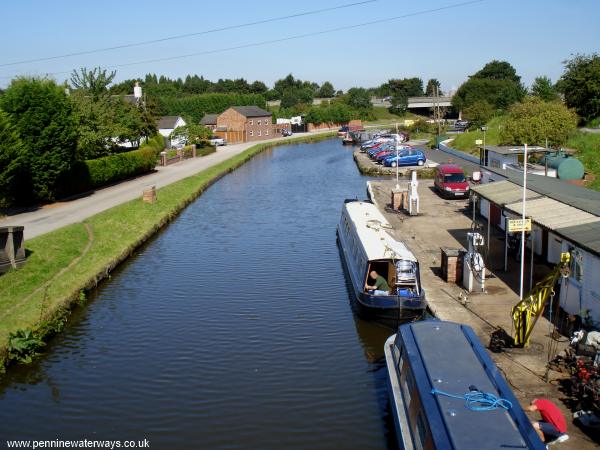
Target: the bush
(95, 173)
(43, 117)
(533, 121)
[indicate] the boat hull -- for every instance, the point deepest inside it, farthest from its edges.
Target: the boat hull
(391, 310)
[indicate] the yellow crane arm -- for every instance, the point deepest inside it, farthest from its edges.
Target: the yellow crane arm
(526, 313)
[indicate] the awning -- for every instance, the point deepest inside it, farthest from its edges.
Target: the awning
(551, 213)
(503, 192)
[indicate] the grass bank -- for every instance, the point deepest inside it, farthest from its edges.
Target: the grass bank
(588, 152)
(466, 141)
(66, 263)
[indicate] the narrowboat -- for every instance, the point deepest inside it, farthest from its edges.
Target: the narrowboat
(447, 393)
(366, 246)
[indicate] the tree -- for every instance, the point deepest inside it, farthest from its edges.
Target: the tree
(258, 87)
(433, 88)
(358, 98)
(534, 120)
(580, 84)
(11, 162)
(543, 88)
(94, 82)
(326, 90)
(43, 116)
(498, 70)
(478, 113)
(497, 83)
(191, 134)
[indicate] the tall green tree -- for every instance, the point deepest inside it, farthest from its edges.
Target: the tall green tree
(543, 88)
(534, 120)
(497, 83)
(94, 82)
(43, 116)
(358, 98)
(12, 162)
(433, 85)
(326, 90)
(580, 84)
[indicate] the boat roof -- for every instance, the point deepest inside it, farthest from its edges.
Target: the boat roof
(449, 357)
(371, 228)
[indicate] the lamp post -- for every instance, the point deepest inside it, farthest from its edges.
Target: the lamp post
(484, 129)
(396, 144)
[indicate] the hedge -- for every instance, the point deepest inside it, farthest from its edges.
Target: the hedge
(95, 173)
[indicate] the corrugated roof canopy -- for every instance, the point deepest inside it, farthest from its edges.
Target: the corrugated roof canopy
(552, 214)
(586, 235)
(503, 192)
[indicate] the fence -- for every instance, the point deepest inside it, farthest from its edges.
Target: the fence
(452, 151)
(174, 156)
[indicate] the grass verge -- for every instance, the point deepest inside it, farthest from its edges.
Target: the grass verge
(40, 296)
(466, 141)
(588, 152)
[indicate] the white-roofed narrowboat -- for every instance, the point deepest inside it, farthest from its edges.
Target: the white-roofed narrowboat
(366, 246)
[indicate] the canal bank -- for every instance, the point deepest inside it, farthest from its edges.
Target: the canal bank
(65, 264)
(444, 223)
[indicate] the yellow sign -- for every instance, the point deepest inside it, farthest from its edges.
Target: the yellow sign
(517, 225)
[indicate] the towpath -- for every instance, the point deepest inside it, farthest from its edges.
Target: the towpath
(51, 217)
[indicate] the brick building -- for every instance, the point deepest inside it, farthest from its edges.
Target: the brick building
(245, 124)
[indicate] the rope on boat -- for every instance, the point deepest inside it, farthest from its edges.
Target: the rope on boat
(476, 400)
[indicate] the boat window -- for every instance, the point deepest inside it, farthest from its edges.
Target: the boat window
(421, 432)
(408, 385)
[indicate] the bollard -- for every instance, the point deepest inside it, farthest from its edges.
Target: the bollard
(163, 158)
(193, 150)
(396, 200)
(12, 248)
(149, 195)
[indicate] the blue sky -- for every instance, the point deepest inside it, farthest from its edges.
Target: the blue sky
(535, 36)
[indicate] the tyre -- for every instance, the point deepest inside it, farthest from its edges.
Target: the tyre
(393, 164)
(420, 162)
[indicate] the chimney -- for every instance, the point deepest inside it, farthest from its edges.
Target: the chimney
(137, 90)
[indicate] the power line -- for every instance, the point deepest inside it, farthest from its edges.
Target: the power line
(182, 36)
(289, 38)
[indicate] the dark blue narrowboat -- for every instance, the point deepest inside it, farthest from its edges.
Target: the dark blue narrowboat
(447, 393)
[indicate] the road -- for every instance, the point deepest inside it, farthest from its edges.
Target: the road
(57, 215)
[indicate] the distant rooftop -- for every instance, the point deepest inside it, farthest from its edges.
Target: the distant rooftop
(167, 122)
(251, 111)
(209, 119)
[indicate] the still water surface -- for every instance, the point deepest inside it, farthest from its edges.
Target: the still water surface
(230, 329)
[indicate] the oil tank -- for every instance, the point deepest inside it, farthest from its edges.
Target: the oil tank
(567, 167)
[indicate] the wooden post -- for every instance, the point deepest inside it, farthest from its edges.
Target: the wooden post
(163, 158)
(149, 195)
(193, 150)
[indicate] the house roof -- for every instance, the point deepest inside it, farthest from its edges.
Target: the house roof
(251, 111)
(166, 122)
(209, 119)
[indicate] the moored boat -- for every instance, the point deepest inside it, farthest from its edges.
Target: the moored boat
(447, 393)
(367, 247)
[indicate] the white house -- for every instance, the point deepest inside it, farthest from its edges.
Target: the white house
(166, 125)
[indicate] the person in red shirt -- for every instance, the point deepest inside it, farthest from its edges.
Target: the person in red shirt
(553, 426)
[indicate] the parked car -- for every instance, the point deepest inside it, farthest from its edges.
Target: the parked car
(406, 157)
(462, 124)
(216, 140)
(450, 181)
(390, 151)
(286, 132)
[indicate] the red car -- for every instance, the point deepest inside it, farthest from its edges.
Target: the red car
(450, 181)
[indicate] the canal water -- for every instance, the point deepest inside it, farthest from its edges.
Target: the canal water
(230, 329)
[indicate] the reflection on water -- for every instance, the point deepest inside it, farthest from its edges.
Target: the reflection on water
(232, 328)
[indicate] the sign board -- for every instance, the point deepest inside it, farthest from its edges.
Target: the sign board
(518, 225)
(478, 142)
